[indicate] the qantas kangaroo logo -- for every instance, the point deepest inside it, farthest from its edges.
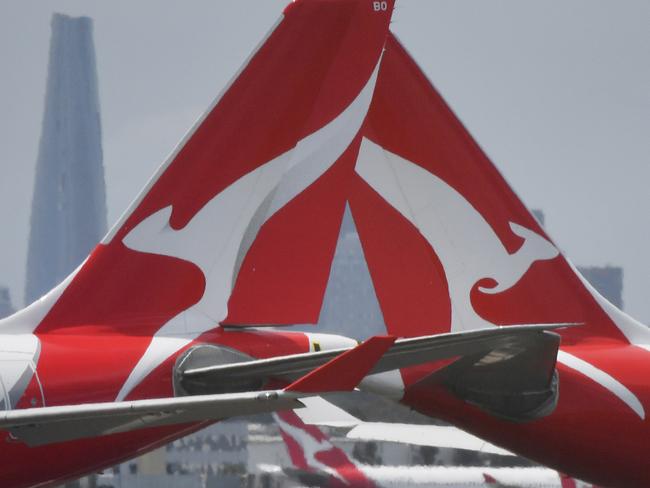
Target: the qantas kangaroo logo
(453, 228)
(311, 450)
(310, 446)
(467, 246)
(219, 235)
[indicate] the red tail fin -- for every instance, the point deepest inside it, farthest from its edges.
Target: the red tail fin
(470, 254)
(284, 122)
(311, 451)
(240, 224)
(567, 481)
(289, 121)
(490, 480)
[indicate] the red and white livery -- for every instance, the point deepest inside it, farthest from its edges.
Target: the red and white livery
(315, 461)
(160, 330)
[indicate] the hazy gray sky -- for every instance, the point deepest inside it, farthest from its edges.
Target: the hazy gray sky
(557, 93)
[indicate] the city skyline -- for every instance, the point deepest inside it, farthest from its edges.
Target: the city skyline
(68, 215)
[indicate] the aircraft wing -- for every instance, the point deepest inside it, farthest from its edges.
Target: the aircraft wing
(46, 425)
(500, 343)
(317, 373)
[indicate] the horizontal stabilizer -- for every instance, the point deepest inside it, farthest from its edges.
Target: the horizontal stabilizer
(503, 342)
(46, 425)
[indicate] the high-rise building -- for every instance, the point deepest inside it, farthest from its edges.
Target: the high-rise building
(539, 215)
(350, 305)
(6, 308)
(69, 203)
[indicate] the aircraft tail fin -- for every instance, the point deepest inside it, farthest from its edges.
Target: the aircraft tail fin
(478, 258)
(287, 119)
(315, 460)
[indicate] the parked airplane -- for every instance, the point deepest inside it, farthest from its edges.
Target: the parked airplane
(158, 331)
(315, 461)
(473, 245)
(94, 372)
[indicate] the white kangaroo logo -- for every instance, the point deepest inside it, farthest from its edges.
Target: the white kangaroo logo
(219, 235)
(467, 246)
(310, 446)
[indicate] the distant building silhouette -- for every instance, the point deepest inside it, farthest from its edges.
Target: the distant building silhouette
(69, 203)
(539, 215)
(608, 280)
(6, 308)
(350, 305)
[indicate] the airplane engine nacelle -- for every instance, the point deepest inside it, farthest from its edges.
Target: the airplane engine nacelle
(205, 355)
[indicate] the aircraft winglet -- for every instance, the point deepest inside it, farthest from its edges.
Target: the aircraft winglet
(344, 372)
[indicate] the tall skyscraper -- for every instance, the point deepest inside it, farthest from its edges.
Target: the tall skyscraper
(69, 203)
(539, 215)
(350, 305)
(608, 280)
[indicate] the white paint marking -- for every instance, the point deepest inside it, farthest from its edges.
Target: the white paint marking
(604, 380)
(465, 243)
